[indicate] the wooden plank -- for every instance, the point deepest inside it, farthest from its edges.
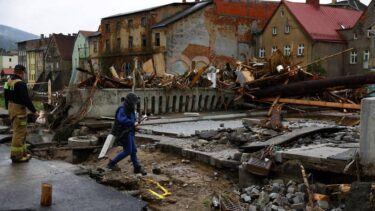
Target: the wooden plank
(159, 64)
(197, 76)
(314, 103)
(288, 137)
(148, 66)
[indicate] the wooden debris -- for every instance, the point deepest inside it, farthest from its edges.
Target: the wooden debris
(314, 103)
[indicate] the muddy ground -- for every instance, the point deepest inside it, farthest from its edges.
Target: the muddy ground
(192, 184)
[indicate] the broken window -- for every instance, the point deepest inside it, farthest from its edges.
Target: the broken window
(130, 23)
(287, 29)
(273, 49)
(95, 44)
(107, 45)
(143, 21)
(130, 42)
(118, 26)
(144, 40)
(261, 53)
(118, 43)
(286, 50)
(274, 30)
(301, 50)
(157, 39)
(353, 57)
(107, 28)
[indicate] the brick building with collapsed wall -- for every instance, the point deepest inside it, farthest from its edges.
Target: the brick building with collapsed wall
(179, 35)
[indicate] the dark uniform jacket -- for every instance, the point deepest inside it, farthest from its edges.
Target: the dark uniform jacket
(18, 95)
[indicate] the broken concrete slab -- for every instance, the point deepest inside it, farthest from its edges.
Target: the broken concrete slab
(219, 159)
(70, 192)
(287, 137)
(83, 141)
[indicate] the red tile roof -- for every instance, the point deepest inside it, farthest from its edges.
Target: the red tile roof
(322, 22)
(65, 45)
(7, 71)
(87, 33)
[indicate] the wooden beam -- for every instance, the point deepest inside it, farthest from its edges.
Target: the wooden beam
(314, 103)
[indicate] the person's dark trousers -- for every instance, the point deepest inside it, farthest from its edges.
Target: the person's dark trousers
(129, 148)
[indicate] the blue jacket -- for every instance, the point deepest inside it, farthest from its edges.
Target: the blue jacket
(126, 122)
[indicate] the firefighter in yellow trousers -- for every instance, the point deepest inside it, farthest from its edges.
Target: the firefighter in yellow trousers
(16, 101)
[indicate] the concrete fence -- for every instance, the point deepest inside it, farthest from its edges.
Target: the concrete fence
(155, 101)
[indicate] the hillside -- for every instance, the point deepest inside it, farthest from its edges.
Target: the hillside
(9, 36)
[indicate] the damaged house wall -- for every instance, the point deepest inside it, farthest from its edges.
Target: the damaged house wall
(128, 35)
(216, 33)
(291, 30)
(361, 38)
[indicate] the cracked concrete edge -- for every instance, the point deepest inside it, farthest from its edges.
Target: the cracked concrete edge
(179, 146)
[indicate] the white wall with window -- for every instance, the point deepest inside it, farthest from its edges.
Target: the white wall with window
(353, 57)
(301, 49)
(286, 50)
(262, 53)
(8, 61)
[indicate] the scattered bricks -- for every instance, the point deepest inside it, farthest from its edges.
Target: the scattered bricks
(297, 200)
(276, 188)
(246, 198)
(252, 208)
(274, 207)
(263, 199)
(301, 196)
(322, 204)
(274, 196)
(301, 187)
(300, 206)
(292, 189)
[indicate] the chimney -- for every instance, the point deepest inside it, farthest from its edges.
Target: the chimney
(314, 3)
(334, 1)
(69, 34)
(183, 1)
(196, 0)
(41, 36)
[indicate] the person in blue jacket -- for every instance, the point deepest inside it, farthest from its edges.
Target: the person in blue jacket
(124, 130)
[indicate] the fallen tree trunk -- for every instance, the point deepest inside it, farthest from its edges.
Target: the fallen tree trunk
(314, 103)
(314, 86)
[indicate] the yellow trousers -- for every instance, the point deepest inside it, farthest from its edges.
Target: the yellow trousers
(18, 117)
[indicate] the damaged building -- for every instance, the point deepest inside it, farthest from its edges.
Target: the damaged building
(292, 32)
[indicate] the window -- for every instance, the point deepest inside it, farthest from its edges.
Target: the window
(274, 30)
(130, 42)
(261, 53)
(301, 50)
(273, 49)
(10, 59)
(144, 40)
(287, 29)
(118, 43)
(157, 39)
(107, 45)
(143, 21)
(286, 50)
(369, 33)
(95, 43)
(353, 57)
(107, 28)
(130, 23)
(355, 36)
(366, 55)
(118, 26)
(282, 13)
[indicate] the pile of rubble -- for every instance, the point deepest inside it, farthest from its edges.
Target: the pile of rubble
(277, 195)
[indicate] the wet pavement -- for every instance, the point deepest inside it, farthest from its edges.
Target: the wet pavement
(20, 187)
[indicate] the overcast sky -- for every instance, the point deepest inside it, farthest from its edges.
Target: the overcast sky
(70, 16)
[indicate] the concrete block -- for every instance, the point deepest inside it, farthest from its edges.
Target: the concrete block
(367, 134)
(247, 179)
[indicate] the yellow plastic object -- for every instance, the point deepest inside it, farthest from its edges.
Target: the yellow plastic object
(165, 193)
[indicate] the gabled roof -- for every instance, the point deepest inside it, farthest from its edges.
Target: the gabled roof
(354, 4)
(95, 34)
(87, 33)
(64, 45)
(146, 10)
(7, 71)
(198, 6)
(322, 22)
